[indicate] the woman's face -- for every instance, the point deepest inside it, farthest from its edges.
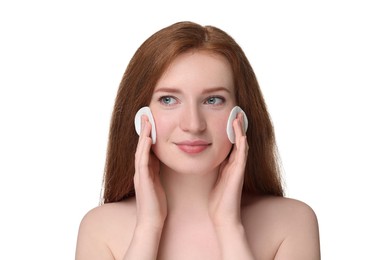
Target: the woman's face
(191, 105)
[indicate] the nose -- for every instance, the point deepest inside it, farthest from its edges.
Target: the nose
(192, 120)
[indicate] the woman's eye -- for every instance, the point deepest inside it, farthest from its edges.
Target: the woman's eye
(215, 100)
(168, 100)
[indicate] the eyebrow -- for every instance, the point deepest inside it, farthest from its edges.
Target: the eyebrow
(205, 91)
(170, 90)
(215, 89)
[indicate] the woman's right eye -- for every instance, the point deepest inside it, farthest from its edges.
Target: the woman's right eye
(168, 100)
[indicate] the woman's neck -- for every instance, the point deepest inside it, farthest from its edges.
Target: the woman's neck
(187, 194)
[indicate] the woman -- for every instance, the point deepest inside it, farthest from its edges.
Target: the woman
(193, 194)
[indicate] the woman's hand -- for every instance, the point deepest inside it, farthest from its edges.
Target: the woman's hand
(150, 199)
(150, 195)
(225, 201)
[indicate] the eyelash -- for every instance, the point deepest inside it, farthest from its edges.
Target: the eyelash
(216, 97)
(161, 100)
(172, 98)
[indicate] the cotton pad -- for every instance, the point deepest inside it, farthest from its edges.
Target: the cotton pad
(229, 127)
(137, 122)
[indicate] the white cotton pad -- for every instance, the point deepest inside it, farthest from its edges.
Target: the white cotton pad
(137, 122)
(229, 126)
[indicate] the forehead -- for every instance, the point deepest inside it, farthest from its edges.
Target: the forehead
(199, 69)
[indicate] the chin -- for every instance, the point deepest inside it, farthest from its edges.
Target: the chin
(189, 168)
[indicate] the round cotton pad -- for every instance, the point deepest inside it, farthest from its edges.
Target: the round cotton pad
(137, 122)
(229, 127)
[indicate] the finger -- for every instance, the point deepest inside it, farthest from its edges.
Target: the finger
(137, 155)
(139, 144)
(241, 142)
(143, 148)
(145, 142)
(238, 125)
(146, 126)
(238, 131)
(141, 136)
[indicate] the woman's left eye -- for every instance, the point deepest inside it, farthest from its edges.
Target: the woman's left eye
(215, 100)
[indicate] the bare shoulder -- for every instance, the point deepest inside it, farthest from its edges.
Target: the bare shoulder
(288, 226)
(101, 228)
(279, 206)
(106, 213)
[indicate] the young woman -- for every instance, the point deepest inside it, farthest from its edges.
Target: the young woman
(193, 194)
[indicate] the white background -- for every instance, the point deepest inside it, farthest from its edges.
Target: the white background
(323, 67)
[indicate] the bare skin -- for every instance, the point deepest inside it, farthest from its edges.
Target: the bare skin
(276, 228)
(189, 202)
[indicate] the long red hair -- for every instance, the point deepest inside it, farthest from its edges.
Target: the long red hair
(262, 175)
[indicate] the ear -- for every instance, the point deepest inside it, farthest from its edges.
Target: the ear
(137, 122)
(229, 127)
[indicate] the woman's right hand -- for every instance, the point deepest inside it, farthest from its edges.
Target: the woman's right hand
(150, 195)
(150, 198)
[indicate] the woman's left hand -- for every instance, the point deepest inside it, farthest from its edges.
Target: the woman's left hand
(225, 200)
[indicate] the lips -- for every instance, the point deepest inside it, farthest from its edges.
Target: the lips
(193, 147)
